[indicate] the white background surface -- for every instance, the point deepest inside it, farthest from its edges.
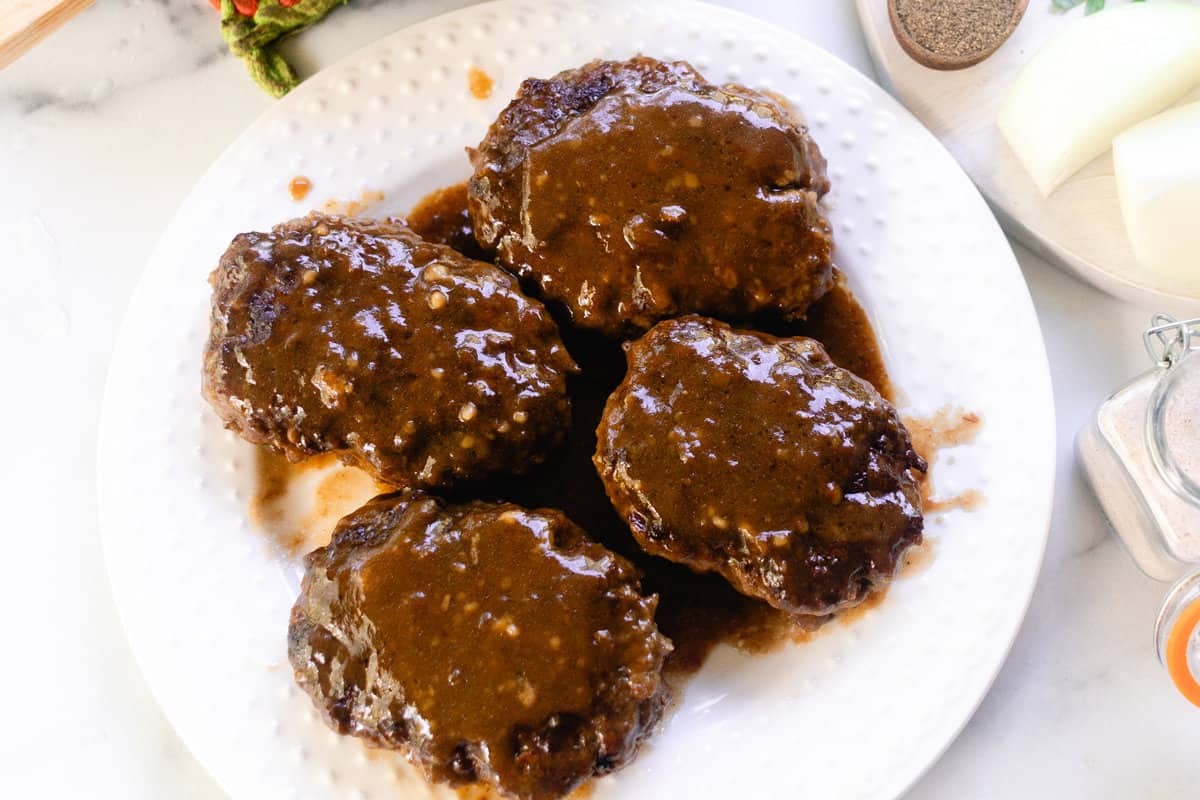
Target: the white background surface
(104, 128)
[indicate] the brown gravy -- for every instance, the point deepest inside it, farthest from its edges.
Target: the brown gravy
(441, 216)
(352, 208)
(479, 83)
(945, 428)
(839, 322)
(481, 791)
(918, 559)
(299, 187)
(852, 615)
(697, 612)
(970, 500)
(297, 505)
(667, 181)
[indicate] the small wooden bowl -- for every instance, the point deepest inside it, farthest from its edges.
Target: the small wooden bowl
(934, 60)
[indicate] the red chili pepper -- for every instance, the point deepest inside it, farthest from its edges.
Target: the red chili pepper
(248, 8)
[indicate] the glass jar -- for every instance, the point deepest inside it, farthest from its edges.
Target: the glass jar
(1141, 455)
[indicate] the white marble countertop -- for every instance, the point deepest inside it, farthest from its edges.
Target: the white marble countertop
(104, 128)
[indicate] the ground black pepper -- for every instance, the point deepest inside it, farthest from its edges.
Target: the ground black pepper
(957, 28)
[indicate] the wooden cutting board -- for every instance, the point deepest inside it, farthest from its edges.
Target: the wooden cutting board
(24, 23)
(1079, 226)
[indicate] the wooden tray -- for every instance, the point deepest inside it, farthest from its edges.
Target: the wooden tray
(1079, 227)
(24, 23)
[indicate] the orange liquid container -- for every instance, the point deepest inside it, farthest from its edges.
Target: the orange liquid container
(1177, 636)
(1141, 456)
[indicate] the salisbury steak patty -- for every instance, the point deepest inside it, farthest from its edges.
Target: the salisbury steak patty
(487, 642)
(755, 457)
(635, 190)
(357, 336)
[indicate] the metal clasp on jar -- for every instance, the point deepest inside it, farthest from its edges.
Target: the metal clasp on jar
(1169, 341)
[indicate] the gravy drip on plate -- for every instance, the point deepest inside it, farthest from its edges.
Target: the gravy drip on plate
(479, 83)
(840, 323)
(442, 217)
(946, 428)
(299, 187)
(297, 504)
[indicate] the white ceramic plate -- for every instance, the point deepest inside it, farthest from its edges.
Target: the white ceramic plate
(860, 711)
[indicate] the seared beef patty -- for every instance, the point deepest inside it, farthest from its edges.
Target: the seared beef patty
(352, 335)
(632, 191)
(755, 457)
(486, 641)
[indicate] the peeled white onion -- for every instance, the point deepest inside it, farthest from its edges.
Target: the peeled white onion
(1157, 165)
(1101, 75)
